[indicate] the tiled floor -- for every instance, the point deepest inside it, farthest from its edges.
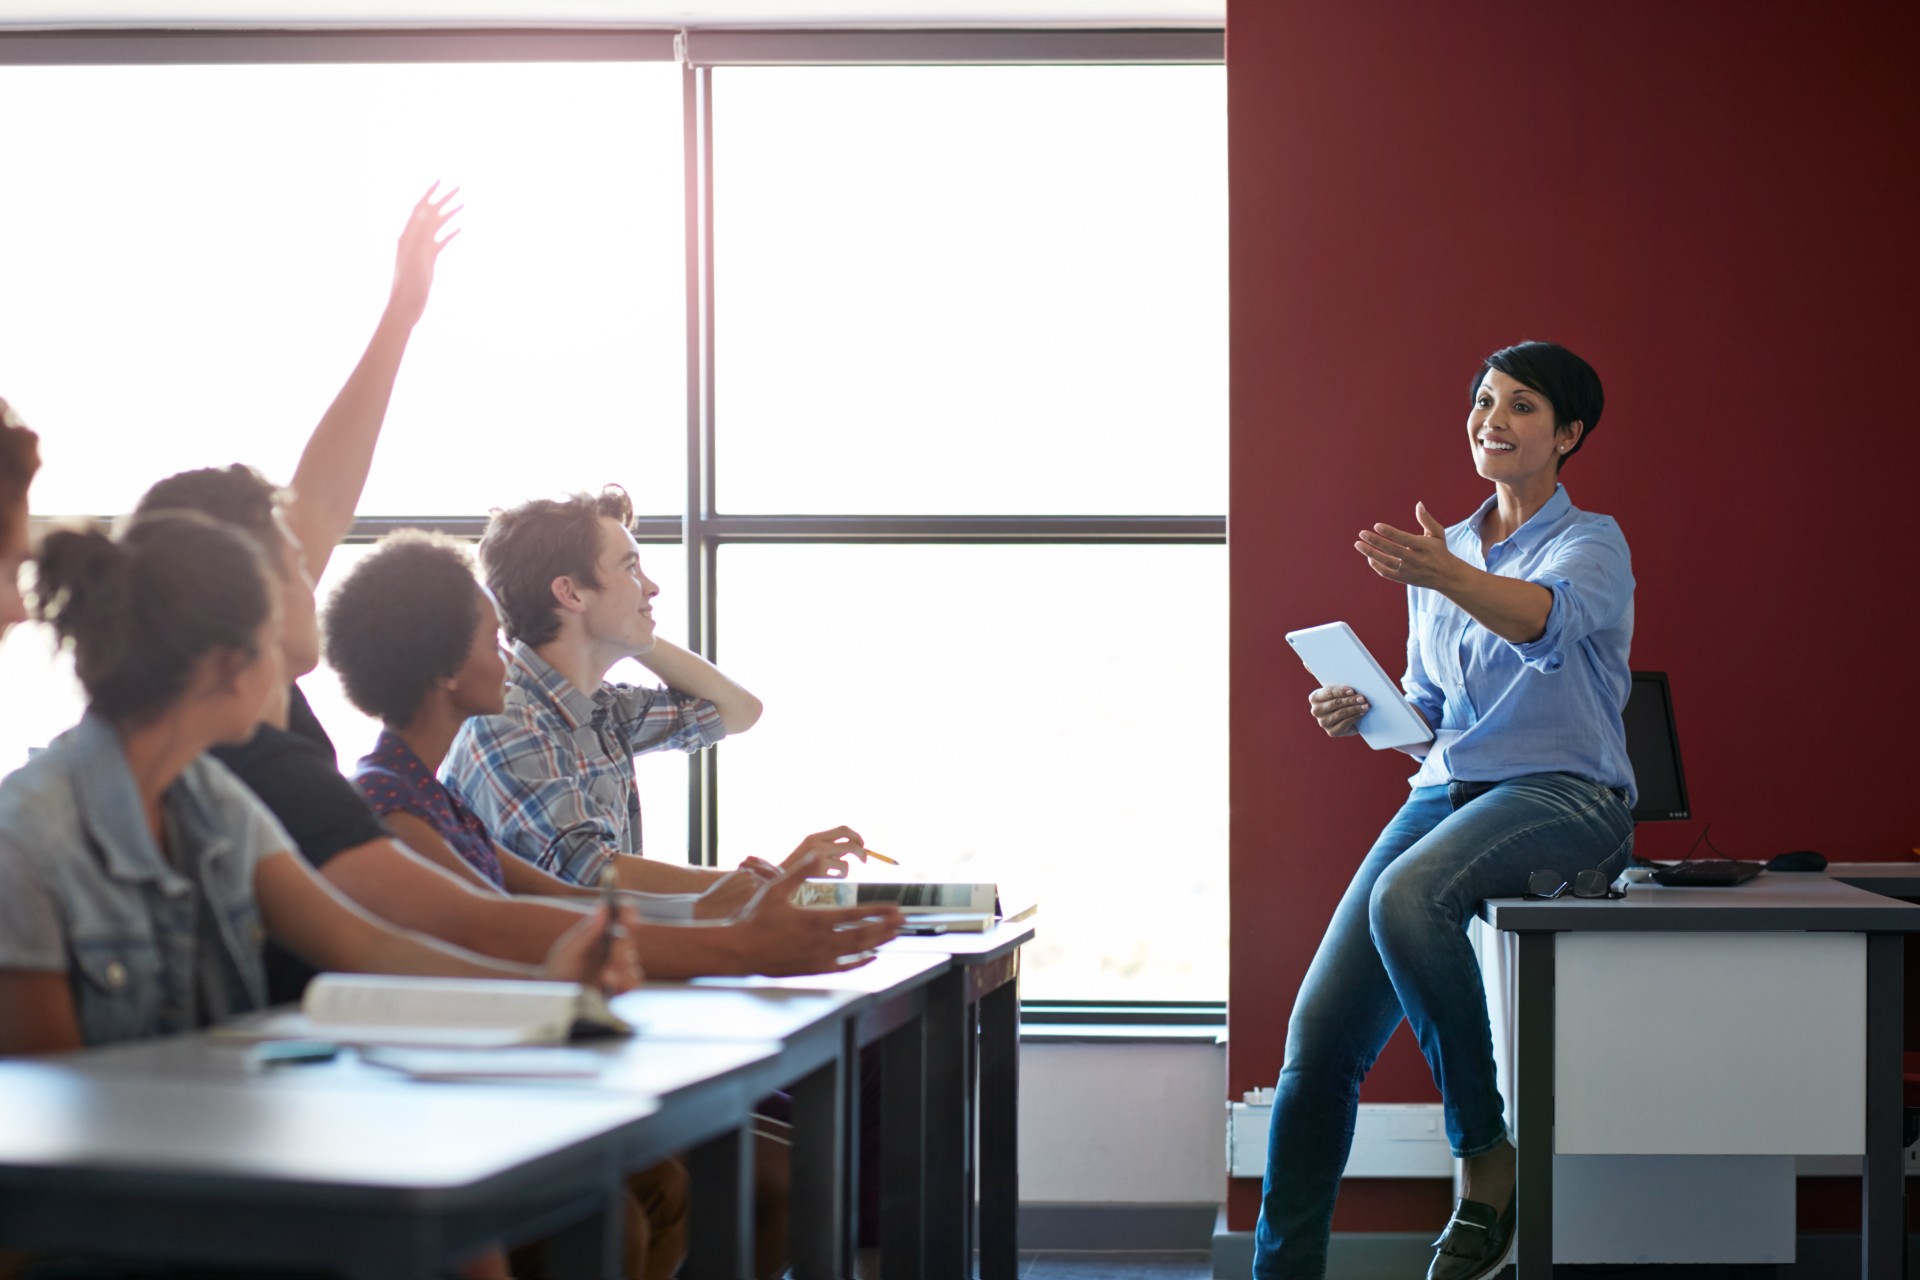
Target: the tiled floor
(1116, 1266)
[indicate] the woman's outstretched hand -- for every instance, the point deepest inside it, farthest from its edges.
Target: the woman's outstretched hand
(1416, 559)
(420, 245)
(1337, 708)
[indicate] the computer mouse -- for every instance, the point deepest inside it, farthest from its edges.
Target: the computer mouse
(1798, 860)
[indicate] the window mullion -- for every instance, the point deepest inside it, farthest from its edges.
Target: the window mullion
(697, 127)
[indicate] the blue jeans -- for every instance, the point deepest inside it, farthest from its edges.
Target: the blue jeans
(1397, 947)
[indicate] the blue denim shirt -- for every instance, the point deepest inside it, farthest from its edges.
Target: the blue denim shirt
(150, 946)
(1502, 710)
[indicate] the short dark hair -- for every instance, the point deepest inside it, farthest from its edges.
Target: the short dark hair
(140, 610)
(236, 495)
(403, 618)
(1568, 382)
(528, 546)
(19, 459)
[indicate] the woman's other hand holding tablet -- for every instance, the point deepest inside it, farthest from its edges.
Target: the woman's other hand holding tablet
(1337, 708)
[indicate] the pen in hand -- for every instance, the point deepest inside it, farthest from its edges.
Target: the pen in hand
(603, 947)
(875, 853)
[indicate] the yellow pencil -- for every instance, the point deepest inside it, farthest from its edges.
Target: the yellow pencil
(875, 853)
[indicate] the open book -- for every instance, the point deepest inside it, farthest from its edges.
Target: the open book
(928, 906)
(387, 1009)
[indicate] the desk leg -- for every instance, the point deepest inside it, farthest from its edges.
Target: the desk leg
(903, 1137)
(720, 1208)
(1883, 1224)
(949, 1103)
(1000, 1131)
(591, 1246)
(819, 1173)
(1533, 1106)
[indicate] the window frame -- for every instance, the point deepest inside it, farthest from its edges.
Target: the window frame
(701, 528)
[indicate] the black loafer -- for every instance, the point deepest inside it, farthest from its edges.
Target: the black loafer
(1475, 1243)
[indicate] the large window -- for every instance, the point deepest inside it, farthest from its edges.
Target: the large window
(946, 490)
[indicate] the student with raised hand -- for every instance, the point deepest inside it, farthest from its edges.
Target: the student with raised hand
(552, 776)
(415, 641)
(138, 878)
(289, 763)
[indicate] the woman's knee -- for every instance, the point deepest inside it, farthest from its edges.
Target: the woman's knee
(1405, 905)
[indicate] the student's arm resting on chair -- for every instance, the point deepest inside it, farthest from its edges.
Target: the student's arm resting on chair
(333, 467)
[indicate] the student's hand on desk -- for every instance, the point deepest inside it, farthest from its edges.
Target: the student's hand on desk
(1337, 708)
(728, 895)
(1416, 559)
(778, 938)
(420, 246)
(832, 848)
(585, 955)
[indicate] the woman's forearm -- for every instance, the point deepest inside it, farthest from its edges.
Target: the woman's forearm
(1513, 609)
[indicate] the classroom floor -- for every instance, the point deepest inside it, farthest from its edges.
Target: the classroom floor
(1061, 1265)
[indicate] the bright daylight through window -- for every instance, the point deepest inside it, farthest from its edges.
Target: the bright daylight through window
(969, 321)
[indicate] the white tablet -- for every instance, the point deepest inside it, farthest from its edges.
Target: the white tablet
(1335, 656)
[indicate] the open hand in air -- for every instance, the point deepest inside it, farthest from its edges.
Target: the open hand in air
(420, 246)
(1416, 559)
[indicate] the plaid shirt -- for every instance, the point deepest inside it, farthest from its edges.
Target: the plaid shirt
(552, 776)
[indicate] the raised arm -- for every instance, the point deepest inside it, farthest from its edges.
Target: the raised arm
(687, 672)
(333, 467)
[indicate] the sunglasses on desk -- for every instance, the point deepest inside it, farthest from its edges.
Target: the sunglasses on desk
(1544, 886)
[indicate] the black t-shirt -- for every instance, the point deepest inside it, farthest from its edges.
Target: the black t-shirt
(294, 773)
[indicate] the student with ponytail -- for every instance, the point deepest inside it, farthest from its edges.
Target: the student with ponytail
(138, 878)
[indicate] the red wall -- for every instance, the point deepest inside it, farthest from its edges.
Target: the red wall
(1718, 205)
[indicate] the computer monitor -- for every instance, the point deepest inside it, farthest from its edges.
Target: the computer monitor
(1653, 748)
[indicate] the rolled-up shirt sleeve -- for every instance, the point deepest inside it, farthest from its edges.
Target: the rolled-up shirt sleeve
(1591, 578)
(662, 719)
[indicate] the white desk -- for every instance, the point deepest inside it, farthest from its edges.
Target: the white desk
(1760, 1020)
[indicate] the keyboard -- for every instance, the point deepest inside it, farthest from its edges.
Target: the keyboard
(1708, 871)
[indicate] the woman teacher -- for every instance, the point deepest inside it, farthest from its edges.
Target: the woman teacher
(1519, 620)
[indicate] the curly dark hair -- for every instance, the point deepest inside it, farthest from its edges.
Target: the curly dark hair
(236, 495)
(402, 619)
(528, 546)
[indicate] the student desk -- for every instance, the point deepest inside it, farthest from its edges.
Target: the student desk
(810, 1027)
(1787, 989)
(973, 1087)
(380, 1180)
(890, 1006)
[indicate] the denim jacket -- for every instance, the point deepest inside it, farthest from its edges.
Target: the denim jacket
(150, 946)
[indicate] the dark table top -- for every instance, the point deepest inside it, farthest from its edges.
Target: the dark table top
(1771, 901)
